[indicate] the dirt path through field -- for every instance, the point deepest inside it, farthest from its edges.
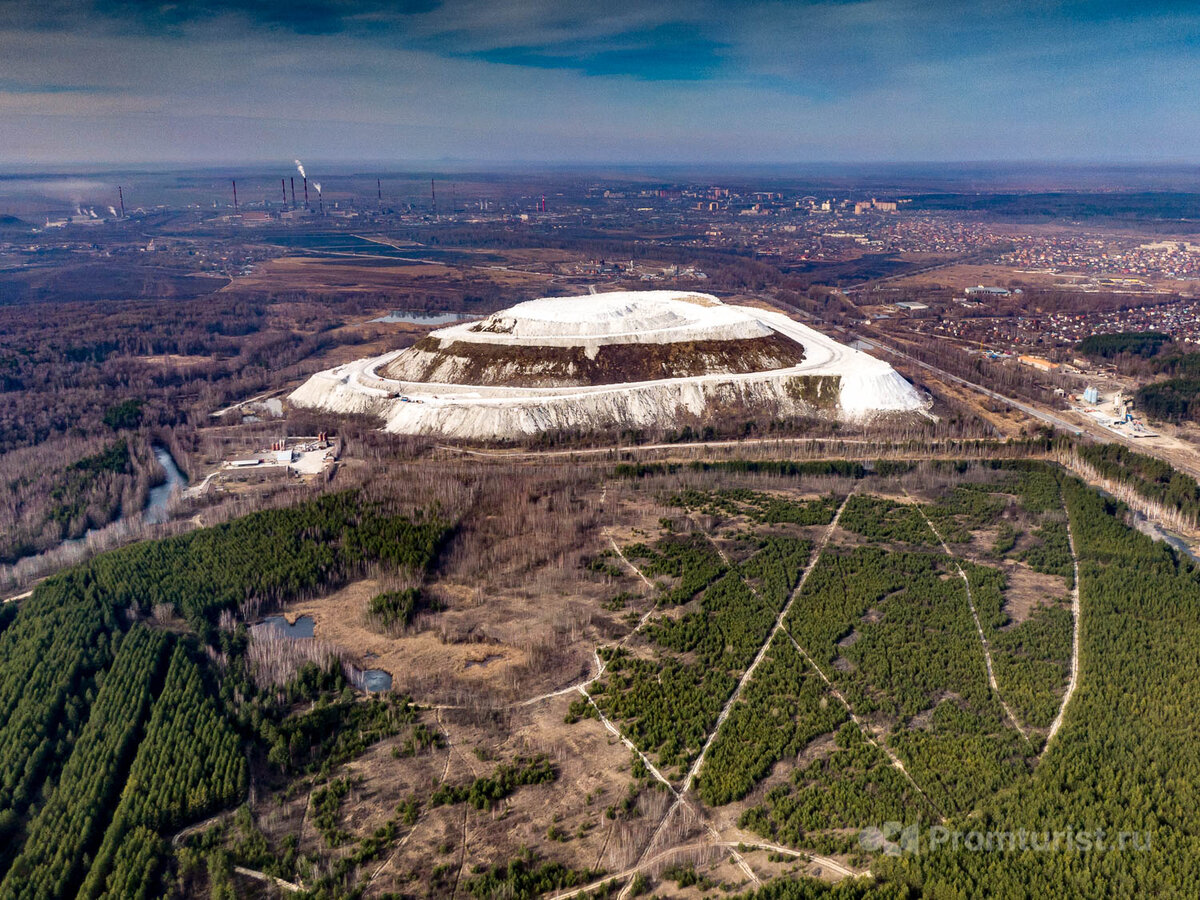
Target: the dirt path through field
(1076, 616)
(987, 653)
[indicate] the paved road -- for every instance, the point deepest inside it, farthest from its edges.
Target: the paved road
(1092, 431)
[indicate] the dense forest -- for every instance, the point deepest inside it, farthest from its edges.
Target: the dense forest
(1131, 343)
(1103, 809)
(1126, 760)
(1172, 400)
(114, 732)
(1148, 476)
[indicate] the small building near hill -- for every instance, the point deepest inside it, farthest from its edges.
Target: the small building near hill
(1039, 363)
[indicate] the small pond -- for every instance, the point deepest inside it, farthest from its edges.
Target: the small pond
(301, 628)
(420, 318)
(376, 681)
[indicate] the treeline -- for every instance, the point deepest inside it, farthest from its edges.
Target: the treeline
(1172, 400)
(266, 556)
(1148, 476)
(66, 828)
(842, 468)
(189, 765)
(1126, 343)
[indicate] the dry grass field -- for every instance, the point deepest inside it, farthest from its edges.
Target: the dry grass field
(335, 274)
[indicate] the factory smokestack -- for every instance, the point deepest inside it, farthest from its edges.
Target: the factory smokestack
(235, 206)
(433, 196)
(283, 190)
(121, 194)
(305, 177)
(293, 192)
(379, 191)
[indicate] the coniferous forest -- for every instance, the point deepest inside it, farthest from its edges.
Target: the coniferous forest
(115, 734)
(811, 666)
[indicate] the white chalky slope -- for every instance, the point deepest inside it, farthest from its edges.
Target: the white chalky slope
(832, 380)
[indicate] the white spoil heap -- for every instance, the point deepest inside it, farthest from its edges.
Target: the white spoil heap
(832, 380)
(620, 317)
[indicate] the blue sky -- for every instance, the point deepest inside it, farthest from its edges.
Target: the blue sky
(653, 81)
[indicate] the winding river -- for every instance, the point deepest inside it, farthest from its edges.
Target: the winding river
(155, 510)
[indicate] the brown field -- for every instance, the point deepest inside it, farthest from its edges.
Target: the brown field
(960, 276)
(348, 275)
(173, 359)
(957, 277)
(1028, 590)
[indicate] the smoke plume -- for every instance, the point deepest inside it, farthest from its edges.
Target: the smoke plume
(300, 169)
